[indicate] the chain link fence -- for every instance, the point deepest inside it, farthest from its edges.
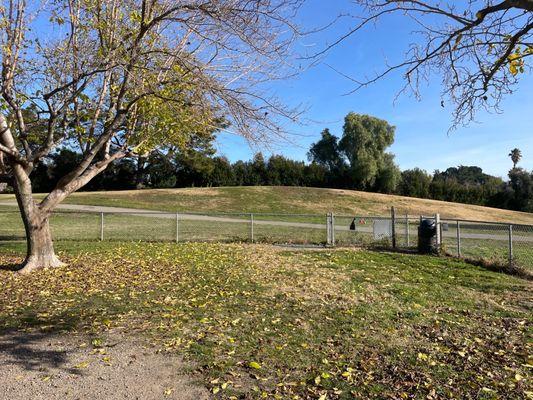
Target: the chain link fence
(496, 242)
(491, 241)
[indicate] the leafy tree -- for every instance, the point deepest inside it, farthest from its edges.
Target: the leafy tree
(467, 175)
(285, 172)
(465, 184)
(521, 184)
(64, 161)
(241, 171)
(363, 144)
(388, 176)
(478, 49)
(415, 183)
(118, 176)
(515, 155)
(194, 162)
(296, 173)
(160, 171)
(115, 79)
(222, 173)
(315, 175)
(258, 170)
(326, 151)
(40, 177)
(192, 168)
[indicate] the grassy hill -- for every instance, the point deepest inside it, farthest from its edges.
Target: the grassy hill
(279, 199)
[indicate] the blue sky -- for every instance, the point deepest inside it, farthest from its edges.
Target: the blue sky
(422, 127)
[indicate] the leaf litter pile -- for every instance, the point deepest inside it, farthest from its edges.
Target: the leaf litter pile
(262, 322)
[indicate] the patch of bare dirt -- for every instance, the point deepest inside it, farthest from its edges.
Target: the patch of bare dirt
(58, 366)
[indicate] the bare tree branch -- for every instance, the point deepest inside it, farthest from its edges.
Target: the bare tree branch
(477, 48)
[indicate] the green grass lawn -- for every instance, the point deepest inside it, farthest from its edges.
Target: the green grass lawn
(265, 322)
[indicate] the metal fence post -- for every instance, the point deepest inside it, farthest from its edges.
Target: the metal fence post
(332, 229)
(407, 230)
(458, 239)
(177, 228)
(252, 227)
(438, 227)
(101, 226)
(510, 244)
(328, 229)
(418, 233)
(393, 222)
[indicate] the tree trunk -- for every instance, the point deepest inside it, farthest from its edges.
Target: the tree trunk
(40, 248)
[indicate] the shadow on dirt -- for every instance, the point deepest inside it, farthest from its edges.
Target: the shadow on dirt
(35, 351)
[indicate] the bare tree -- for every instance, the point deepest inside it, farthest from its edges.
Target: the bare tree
(478, 47)
(117, 78)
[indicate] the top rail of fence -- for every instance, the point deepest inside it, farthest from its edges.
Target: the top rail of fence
(470, 221)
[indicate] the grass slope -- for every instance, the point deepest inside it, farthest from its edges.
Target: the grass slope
(279, 199)
(261, 322)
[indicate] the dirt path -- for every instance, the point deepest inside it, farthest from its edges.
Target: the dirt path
(42, 366)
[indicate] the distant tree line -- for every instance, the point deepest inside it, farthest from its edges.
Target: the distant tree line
(357, 160)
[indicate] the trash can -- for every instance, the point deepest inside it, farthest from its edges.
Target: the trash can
(427, 236)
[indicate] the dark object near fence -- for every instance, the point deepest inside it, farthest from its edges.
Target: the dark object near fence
(427, 236)
(352, 225)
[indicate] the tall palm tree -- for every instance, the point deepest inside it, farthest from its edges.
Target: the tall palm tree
(515, 155)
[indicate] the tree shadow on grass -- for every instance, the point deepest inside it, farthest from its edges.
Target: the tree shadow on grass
(10, 261)
(12, 266)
